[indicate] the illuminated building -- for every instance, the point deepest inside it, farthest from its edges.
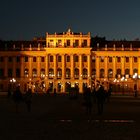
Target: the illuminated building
(64, 60)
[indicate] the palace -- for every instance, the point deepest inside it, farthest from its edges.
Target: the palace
(68, 59)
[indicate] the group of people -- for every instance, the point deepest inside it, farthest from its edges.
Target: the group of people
(18, 97)
(99, 94)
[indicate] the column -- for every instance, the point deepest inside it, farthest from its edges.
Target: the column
(97, 68)
(38, 66)
(80, 66)
(47, 71)
(55, 71)
(123, 65)
(114, 67)
(131, 65)
(63, 66)
(30, 66)
(106, 67)
(72, 66)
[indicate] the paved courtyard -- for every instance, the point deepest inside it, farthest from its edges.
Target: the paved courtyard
(59, 117)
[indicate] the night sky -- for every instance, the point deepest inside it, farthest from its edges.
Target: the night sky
(25, 19)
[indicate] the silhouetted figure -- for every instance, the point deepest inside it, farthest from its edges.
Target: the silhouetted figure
(17, 97)
(48, 91)
(88, 100)
(135, 93)
(54, 92)
(100, 96)
(109, 92)
(28, 99)
(9, 93)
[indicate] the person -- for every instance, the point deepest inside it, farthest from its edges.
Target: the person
(135, 93)
(17, 97)
(9, 93)
(28, 99)
(54, 92)
(88, 101)
(100, 96)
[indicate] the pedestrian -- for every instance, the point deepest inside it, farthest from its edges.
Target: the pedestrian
(54, 92)
(9, 93)
(135, 93)
(100, 96)
(88, 100)
(17, 97)
(28, 99)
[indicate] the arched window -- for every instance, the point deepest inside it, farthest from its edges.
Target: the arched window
(67, 58)
(84, 58)
(34, 73)
(93, 73)
(135, 71)
(76, 73)
(51, 73)
(110, 73)
(76, 58)
(42, 73)
(118, 73)
(127, 72)
(85, 74)
(67, 73)
(26, 73)
(59, 73)
(102, 73)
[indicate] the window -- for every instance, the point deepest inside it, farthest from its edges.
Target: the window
(127, 72)
(17, 72)
(1, 72)
(18, 59)
(1, 59)
(10, 59)
(76, 43)
(42, 59)
(118, 73)
(93, 73)
(135, 59)
(76, 58)
(118, 59)
(101, 59)
(68, 42)
(127, 59)
(51, 58)
(26, 72)
(34, 59)
(59, 58)
(51, 43)
(84, 58)
(85, 75)
(34, 73)
(67, 73)
(102, 73)
(51, 73)
(76, 73)
(93, 59)
(26, 59)
(110, 59)
(59, 73)
(42, 73)
(67, 58)
(84, 43)
(10, 73)
(135, 71)
(59, 42)
(110, 73)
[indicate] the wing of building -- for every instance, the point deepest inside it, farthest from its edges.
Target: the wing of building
(64, 60)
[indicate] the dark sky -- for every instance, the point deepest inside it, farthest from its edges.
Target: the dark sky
(25, 19)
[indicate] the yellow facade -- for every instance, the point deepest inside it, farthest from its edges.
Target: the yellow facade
(68, 60)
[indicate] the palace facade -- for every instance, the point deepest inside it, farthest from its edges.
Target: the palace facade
(68, 59)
